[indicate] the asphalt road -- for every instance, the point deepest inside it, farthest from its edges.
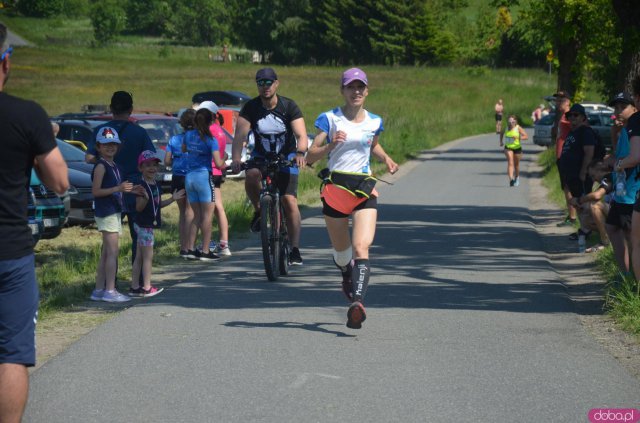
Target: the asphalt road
(467, 322)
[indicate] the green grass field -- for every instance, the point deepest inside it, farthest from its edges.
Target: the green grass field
(421, 107)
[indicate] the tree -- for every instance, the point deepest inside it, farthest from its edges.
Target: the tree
(577, 30)
(40, 8)
(148, 17)
(201, 22)
(108, 19)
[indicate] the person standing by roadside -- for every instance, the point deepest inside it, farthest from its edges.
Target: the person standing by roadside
(178, 162)
(510, 139)
(349, 135)
(149, 203)
(499, 109)
(559, 132)
(202, 150)
(577, 153)
(27, 142)
(618, 223)
(278, 126)
(630, 162)
(134, 140)
(222, 247)
(107, 189)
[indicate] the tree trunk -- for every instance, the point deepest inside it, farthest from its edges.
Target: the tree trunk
(568, 54)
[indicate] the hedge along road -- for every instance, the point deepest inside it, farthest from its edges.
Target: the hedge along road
(467, 321)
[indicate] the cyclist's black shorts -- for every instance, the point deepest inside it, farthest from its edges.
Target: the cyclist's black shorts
(287, 184)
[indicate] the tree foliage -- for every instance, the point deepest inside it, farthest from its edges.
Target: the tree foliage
(108, 19)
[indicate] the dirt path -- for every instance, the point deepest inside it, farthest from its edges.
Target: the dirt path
(577, 271)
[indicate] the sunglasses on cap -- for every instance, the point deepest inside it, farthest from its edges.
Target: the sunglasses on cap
(265, 83)
(6, 53)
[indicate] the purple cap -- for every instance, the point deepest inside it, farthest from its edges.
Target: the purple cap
(354, 74)
(147, 155)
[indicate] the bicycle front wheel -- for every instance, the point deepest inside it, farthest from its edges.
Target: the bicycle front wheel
(269, 233)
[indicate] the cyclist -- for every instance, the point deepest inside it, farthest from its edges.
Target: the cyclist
(349, 135)
(277, 124)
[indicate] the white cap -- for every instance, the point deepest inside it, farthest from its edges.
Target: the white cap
(209, 105)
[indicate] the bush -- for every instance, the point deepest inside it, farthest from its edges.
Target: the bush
(108, 19)
(40, 8)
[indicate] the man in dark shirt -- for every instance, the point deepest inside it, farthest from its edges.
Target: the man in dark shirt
(135, 140)
(277, 126)
(577, 152)
(27, 142)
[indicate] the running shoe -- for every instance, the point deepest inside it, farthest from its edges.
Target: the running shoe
(193, 255)
(96, 295)
(115, 297)
(151, 292)
(184, 254)
(222, 252)
(136, 292)
(294, 257)
(512, 182)
(516, 182)
(209, 256)
(356, 315)
(255, 222)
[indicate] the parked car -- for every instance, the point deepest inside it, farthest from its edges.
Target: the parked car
(36, 225)
(50, 208)
(159, 127)
(542, 130)
(222, 98)
(81, 198)
(600, 120)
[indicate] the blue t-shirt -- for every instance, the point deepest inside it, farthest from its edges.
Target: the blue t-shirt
(623, 148)
(134, 140)
(109, 204)
(179, 166)
(200, 152)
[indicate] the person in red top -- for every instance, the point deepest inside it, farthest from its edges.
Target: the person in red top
(559, 132)
(222, 248)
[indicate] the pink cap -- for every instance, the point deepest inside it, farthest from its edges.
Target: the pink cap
(147, 155)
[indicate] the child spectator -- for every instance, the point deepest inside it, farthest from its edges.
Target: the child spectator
(222, 249)
(107, 189)
(592, 211)
(178, 162)
(148, 205)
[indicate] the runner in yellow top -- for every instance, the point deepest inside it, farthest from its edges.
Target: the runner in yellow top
(510, 138)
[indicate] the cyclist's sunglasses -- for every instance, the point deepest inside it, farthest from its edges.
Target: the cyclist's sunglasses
(6, 53)
(265, 83)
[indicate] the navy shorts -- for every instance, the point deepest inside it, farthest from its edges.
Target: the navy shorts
(18, 311)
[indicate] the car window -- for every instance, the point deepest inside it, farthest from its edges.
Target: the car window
(75, 133)
(546, 120)
(161, 130)
(594, 120)
(70, 153)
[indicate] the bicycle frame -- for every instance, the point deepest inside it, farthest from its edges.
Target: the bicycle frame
(273, 224)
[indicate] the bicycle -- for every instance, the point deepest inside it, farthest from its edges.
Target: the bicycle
(273, 222)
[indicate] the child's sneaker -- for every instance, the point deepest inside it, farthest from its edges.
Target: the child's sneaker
(222, 251)
(136, 292)
(115, 297)
(151, 292)
(96, 295)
